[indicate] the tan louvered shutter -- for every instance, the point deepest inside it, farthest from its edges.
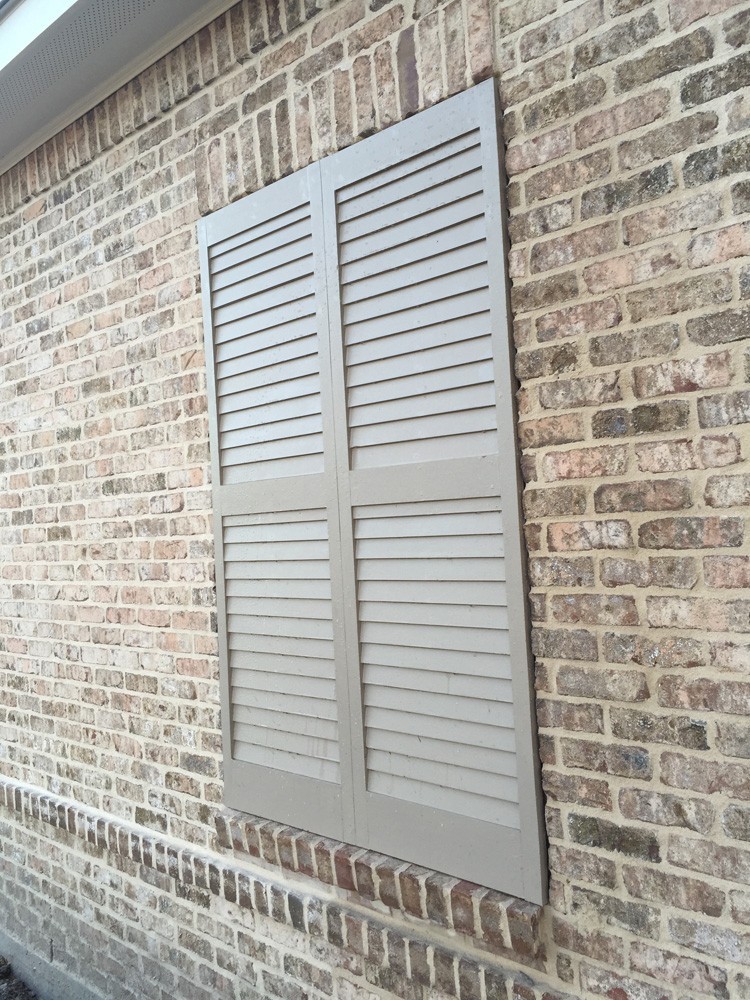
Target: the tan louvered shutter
(428, 486)
(372, 620)
(276, 517)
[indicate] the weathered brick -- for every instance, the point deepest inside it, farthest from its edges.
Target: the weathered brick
(663, 494)
(584, 535)
(593, 609)
(565, 102)
(630, 841)
(574, 321)
(613, 984)
(664, 59)
(618, 348)
(666, 140)
(616, 685)
(622, 118)
(678, 216)
(706, 372)
(737, 29)
(567, 176)
(711, 939)
(691, 532)
(570, 716)
(684, 893)
(707, 165)
(631, 269)
(578, 392)
(583, 866)
(563, 250)
(716, 81)
(585, 791)
(678, 970)
(584, 463)
(622, 194)
(691, 293)
(705, 776)
(664, 809)
(628, 762)
(733, 739)
(648, 418)
(594, 943)
(561, 30)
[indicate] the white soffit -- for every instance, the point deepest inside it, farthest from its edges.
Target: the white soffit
(60, 58)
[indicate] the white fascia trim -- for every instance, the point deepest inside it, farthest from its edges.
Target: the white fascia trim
(166, 43)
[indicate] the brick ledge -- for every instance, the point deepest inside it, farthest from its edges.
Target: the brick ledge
(504, 924)
(447, 965)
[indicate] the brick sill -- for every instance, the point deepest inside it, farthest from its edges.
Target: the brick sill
(502, 924)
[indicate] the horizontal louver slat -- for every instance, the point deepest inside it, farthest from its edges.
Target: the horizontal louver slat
(398, 346)
(434, 659)
(280, 641)
(266, 350)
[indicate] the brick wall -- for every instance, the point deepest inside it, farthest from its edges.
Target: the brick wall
(628, 131)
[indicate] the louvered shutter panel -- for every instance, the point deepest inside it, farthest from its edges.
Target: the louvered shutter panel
(276, 516)
(428, 488)
(372, 623)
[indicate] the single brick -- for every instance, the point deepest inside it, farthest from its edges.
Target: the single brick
(665, 59)
(716, 81)
(593, 831)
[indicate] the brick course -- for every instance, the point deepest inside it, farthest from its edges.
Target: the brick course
(628, 153)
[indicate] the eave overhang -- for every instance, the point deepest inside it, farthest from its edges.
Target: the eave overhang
(60, 58)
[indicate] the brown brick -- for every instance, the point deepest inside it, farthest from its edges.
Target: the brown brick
(623, 194)
(593, 609)
(593, 943)
(684, 893)
(617, 42)
(626, 761)
(708, 84)
(664, 809)
(705, 776)
(719, 328)
(663, 494)
(664, 59)
(583, 865)
(678, 970)
(561, 30)
(666, 140)
(586, 791)
(615, 685)
(678, 216)
(564, 102)
(569, 644)
(620, 119)
(691, 533)
(376, 30)
(733, 739)
(573, 717)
